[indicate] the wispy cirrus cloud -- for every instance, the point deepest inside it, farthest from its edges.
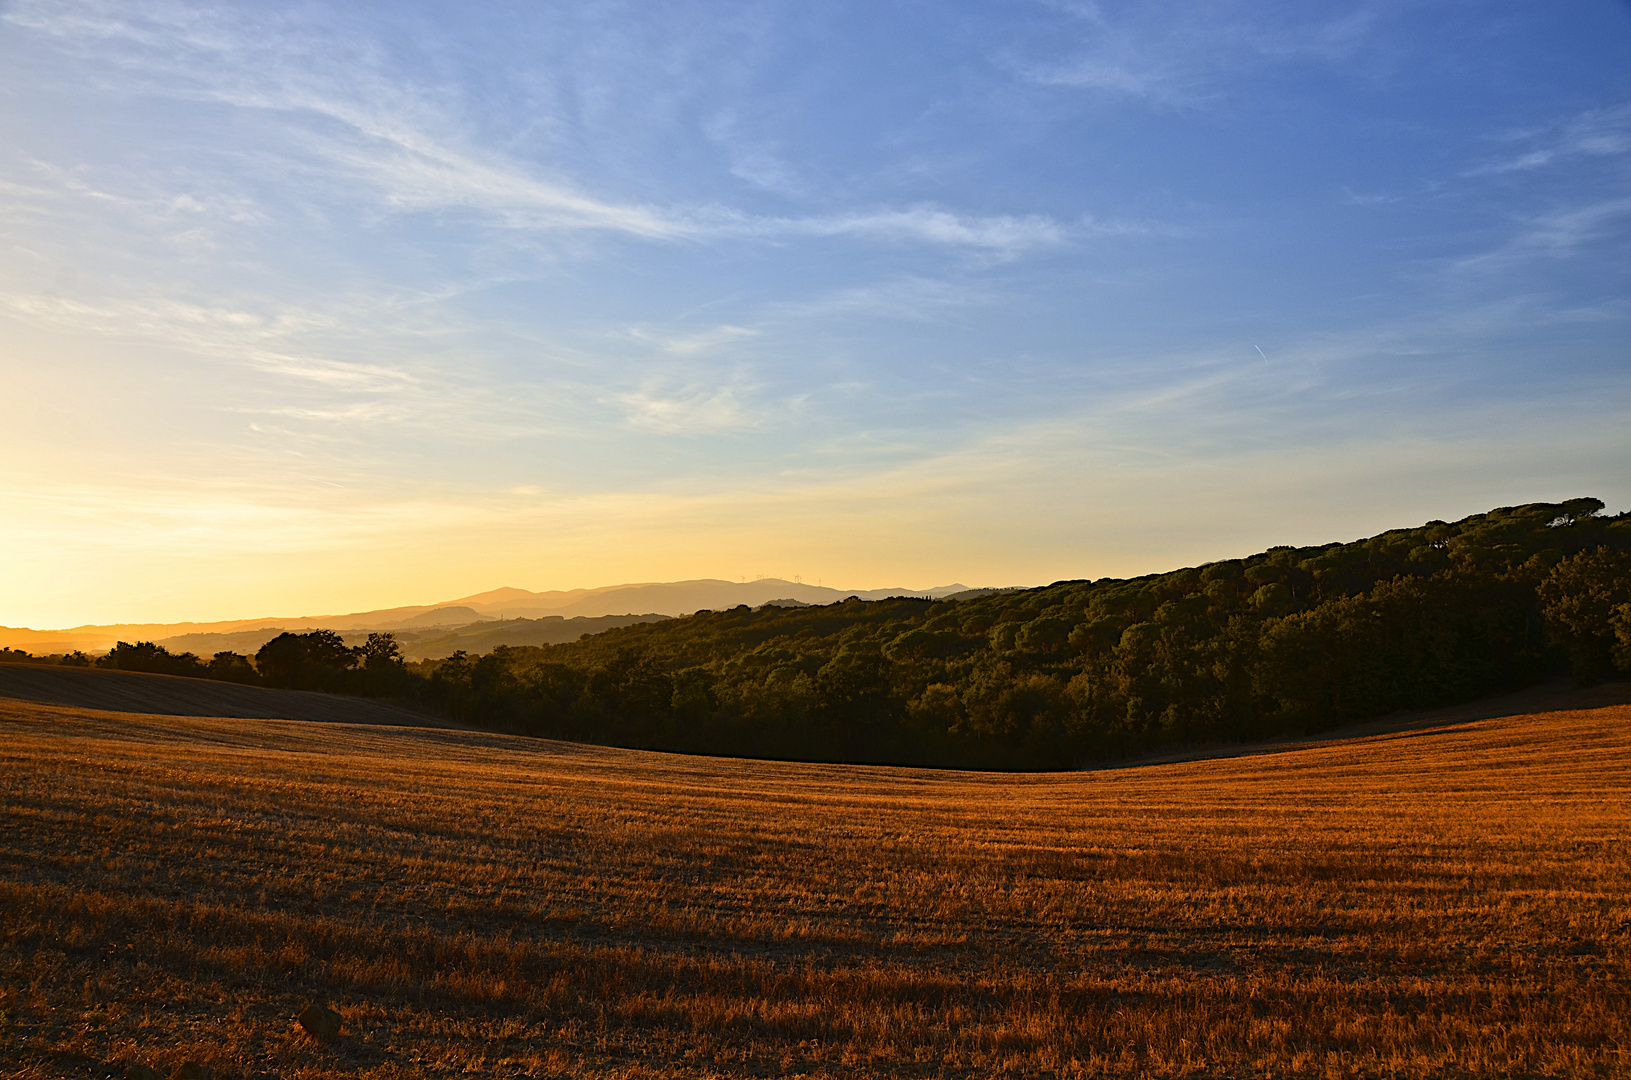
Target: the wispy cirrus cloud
(423, 176)
(1154, 83)
(363, 129)
(756, 161)
(694, 413)
(412, 172)
(1556, 233)
(1369, 198)
(1599, 133)
(261, 339)
(911, 298)
(306, 367)
(338, 101)
(1003, 233)
(698, 342)
(1175, 56)
(1562, 231)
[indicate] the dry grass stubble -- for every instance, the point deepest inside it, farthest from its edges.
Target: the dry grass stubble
(1452, 901)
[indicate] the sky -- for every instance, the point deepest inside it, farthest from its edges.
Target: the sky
(312, 308)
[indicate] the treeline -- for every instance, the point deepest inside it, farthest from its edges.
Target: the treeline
(1284, 642)
(318, 660)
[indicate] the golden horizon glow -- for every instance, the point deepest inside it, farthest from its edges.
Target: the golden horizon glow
(302, 315)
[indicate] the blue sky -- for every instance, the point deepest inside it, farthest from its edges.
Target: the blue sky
(314, 308)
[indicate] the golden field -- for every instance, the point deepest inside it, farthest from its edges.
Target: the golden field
(1451, 899)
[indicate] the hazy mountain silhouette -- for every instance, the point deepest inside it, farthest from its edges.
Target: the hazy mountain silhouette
(673, 597)
(460, 618)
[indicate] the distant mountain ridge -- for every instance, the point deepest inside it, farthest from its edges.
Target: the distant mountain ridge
(672, 597)
(532, 617)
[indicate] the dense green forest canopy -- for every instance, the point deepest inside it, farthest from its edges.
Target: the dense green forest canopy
(1283, 642)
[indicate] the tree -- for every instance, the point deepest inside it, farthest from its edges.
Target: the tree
(851, 704)
(381, 652)
(146, 656)
(1579, 599)
(228, 666)
(1622, 637)
(317, 660)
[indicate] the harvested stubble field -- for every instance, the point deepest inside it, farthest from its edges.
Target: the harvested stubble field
(1445, 901)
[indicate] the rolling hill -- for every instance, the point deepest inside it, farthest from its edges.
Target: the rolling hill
(1452, 898)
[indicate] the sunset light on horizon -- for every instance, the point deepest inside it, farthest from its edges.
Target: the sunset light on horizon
(313, 308)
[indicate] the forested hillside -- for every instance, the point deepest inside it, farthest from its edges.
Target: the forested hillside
(1283, 642)
(1286, 641)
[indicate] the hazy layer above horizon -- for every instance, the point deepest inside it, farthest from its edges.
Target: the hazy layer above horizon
(671, 598)
(322, 307)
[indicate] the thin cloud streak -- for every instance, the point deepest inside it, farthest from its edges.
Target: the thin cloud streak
(1555, 234)
(690, 344)
(1179, 60)
(1595, 133)
(697, 413)
(228, 334)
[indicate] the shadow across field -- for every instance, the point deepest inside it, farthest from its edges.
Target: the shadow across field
(173, 695)
(1449, 901)
(1558, 695)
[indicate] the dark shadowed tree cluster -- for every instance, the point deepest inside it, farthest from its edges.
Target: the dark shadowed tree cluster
(316, 660)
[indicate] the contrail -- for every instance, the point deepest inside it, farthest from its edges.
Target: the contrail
(1259, 349)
